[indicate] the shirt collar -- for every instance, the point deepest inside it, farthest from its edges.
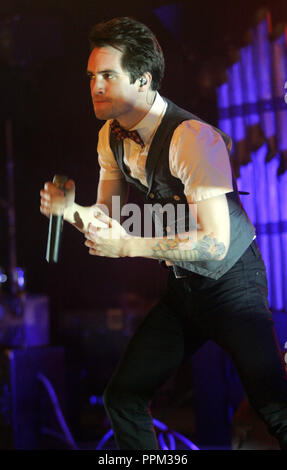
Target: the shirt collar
(148, 125)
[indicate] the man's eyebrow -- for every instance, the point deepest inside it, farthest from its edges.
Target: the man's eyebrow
(89, 72)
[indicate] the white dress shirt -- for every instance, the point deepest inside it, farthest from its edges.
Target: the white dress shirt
(197, 155)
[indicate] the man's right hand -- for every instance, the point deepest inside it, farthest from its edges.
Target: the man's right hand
(55, 200)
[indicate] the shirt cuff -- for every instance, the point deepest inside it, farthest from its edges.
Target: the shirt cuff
(111, 175)
(199, 194)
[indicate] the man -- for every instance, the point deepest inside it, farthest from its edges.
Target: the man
(217, 285)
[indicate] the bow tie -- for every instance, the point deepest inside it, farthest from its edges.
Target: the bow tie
(122, 133)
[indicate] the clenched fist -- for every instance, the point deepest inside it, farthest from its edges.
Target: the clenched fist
(55, 200)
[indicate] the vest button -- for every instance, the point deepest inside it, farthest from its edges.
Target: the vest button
(176, 197)
(151, 195)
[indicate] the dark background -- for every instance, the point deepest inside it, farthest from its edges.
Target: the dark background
(44, 91)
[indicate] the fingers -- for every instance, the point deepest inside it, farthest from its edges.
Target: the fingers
(45, 202)
(98, 223)
(101, 219)
(45, 210)
(96, 248)
(92, 247)
(90, 236)
(70, 185)
(52, 199)
(94, 234)
(101, 214)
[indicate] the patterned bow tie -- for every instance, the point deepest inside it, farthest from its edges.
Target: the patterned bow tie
(122, 133)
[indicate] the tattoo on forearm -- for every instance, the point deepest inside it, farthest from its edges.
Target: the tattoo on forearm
(174, 249)
(78, 221)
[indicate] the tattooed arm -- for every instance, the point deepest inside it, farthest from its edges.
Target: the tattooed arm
(209, 242)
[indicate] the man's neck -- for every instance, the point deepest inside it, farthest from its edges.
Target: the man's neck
(136, 116)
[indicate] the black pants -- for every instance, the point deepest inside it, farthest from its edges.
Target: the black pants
(233, 312)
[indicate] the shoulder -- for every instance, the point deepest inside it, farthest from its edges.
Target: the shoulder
(198, 141)
(197, 133)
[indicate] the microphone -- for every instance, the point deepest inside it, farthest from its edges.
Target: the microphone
(55, 226)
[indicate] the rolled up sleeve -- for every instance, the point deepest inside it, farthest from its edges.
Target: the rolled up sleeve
(199, 158)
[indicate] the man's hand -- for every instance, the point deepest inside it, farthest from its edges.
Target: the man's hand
(110, 240)
(55, 200)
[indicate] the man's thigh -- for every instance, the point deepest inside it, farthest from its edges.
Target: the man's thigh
(155, 351)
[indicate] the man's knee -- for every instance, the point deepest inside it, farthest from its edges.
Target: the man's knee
(118, 398)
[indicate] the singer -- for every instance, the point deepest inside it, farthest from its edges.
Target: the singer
(217, 288)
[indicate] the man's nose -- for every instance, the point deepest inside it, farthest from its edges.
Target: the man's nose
(97, 86)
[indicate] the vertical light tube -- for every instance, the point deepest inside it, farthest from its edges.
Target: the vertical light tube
(224, 121)
(239, 134)
(258, 152)
(262, 61)
(253, 100)
(279, 62)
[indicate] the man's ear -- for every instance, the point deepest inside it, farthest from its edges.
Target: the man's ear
(145, 81)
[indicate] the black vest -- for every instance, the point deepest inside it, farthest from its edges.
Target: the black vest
(163, 188)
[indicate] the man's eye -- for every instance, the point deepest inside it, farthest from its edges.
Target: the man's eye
(106, 76)
(109, 76)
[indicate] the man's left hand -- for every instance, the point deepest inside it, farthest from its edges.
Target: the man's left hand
(111, 241)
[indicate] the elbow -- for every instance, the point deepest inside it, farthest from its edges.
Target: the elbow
(222, 256)
(220, 245)
(221, 250)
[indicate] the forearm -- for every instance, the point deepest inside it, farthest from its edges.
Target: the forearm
(79, 216)
(196, 246)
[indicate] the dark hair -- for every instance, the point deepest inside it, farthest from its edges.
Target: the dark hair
(141, 50)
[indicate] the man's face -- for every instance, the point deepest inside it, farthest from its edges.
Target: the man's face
(113, 96)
